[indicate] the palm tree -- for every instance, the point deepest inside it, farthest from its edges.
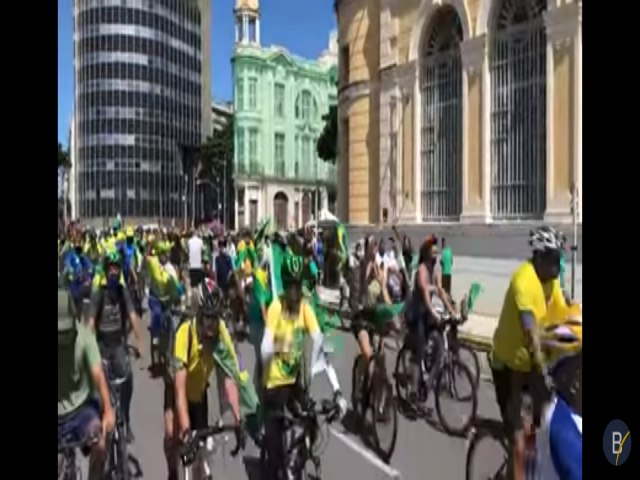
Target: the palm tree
(64, 165)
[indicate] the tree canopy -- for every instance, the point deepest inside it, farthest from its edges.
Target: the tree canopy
(215, 153)
(327, 146)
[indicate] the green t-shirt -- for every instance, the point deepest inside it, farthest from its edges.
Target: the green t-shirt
(447, 260)
(74, 371)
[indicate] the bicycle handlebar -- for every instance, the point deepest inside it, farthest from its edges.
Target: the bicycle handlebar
(85, 442)
(192, 443)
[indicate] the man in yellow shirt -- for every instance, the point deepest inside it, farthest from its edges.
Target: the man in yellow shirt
(289, 319)
(196, 341)
(516, 359)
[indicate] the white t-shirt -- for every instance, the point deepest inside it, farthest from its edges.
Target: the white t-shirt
(195, 246)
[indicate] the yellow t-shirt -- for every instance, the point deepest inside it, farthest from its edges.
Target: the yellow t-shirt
(525, 293)
(199, 363)
(288, 342)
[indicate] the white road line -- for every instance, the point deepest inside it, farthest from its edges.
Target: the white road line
(367, 455)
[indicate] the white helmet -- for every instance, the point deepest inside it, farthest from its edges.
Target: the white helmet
(545, 239)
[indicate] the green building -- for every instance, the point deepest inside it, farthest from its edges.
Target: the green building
(279, 101)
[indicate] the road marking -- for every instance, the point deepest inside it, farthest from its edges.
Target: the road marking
(366, 454)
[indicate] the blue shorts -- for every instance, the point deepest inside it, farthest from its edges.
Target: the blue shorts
(75, 426)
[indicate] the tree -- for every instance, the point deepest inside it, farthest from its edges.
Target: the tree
(215, 162)
(64, 160)
(327, 146)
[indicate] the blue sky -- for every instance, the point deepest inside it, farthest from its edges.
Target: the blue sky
(302, 26)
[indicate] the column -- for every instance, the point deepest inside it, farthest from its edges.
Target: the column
(475, 164)
(245, 29)
(563, 89)
(258, 30)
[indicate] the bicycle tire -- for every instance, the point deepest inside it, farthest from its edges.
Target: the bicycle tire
(475, 368)
(476, 438)
(357, 388)
(403, 378)
(385, 454)
(442, 373)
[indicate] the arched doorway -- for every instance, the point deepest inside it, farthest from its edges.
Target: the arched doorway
(441, 115)
(518, 70)
(306, 208)
(281, 210)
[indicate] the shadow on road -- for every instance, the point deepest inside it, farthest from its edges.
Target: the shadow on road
(134, 467)
(252, 467)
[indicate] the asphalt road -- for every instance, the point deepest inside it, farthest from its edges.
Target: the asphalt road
(422, 450)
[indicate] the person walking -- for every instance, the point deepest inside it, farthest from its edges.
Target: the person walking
(195, 247)
(446, 261)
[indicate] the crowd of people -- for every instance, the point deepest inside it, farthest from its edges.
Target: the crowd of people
(202, 288)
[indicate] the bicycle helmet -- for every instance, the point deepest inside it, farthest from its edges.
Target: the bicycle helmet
(545, 239)
(204, 290)
(291, 270)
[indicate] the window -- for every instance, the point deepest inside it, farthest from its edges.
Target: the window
(278, 96)
(296, 165)
(240, 147)
(344, 64)
(306, 150)
(253, 92)
(240, 94)
(253, 149)
(278, 155)
(304, 105)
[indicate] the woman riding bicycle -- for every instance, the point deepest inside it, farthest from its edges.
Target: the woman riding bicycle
(427, 302)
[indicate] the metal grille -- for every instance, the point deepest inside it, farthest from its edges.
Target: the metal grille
(441, 135)
(518, 112)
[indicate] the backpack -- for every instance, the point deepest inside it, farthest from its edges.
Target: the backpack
(110, 328)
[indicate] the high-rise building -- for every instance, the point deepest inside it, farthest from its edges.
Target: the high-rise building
(280, 100)
(142, 102)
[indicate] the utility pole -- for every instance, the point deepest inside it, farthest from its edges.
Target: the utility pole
(575, 206)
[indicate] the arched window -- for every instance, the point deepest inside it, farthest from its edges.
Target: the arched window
(518, 110)
(441, 113)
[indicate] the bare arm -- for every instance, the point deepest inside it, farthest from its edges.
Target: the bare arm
(181, 400)
(233, 397)
(423, 282)
(441, 293)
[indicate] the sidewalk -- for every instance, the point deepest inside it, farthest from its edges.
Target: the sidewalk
(494, 276)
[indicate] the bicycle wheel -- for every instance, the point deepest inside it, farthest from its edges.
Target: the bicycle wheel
(454, 383)
(487, 456)
(469, 357)
(402, 373)
(357, 387)
(385, 417)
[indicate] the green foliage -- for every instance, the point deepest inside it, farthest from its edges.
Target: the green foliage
(327, 146)
(215, 153)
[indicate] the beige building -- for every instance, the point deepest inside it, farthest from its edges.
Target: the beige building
(459, 110)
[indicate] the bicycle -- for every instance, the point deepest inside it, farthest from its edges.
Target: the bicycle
(438, 372)
(68, 468)
(117, 463)
(303, 447)
(496, 434)
(199, 446)
(374, 391)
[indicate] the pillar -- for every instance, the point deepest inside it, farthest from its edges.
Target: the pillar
(563, 109)
(475, 165)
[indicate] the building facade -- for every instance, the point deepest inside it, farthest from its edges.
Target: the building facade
(279, 104)
(460, 111)
(142, 98)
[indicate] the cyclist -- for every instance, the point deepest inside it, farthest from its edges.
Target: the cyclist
(196, 344)
(78, 271)
(516, 357)
(427, 302)
(289, 319)
(80, 414)
(111, 312)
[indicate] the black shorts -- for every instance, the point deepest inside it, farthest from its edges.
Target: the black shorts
(196, 276)
(363, 320)
(198, 411)
(509, 385)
